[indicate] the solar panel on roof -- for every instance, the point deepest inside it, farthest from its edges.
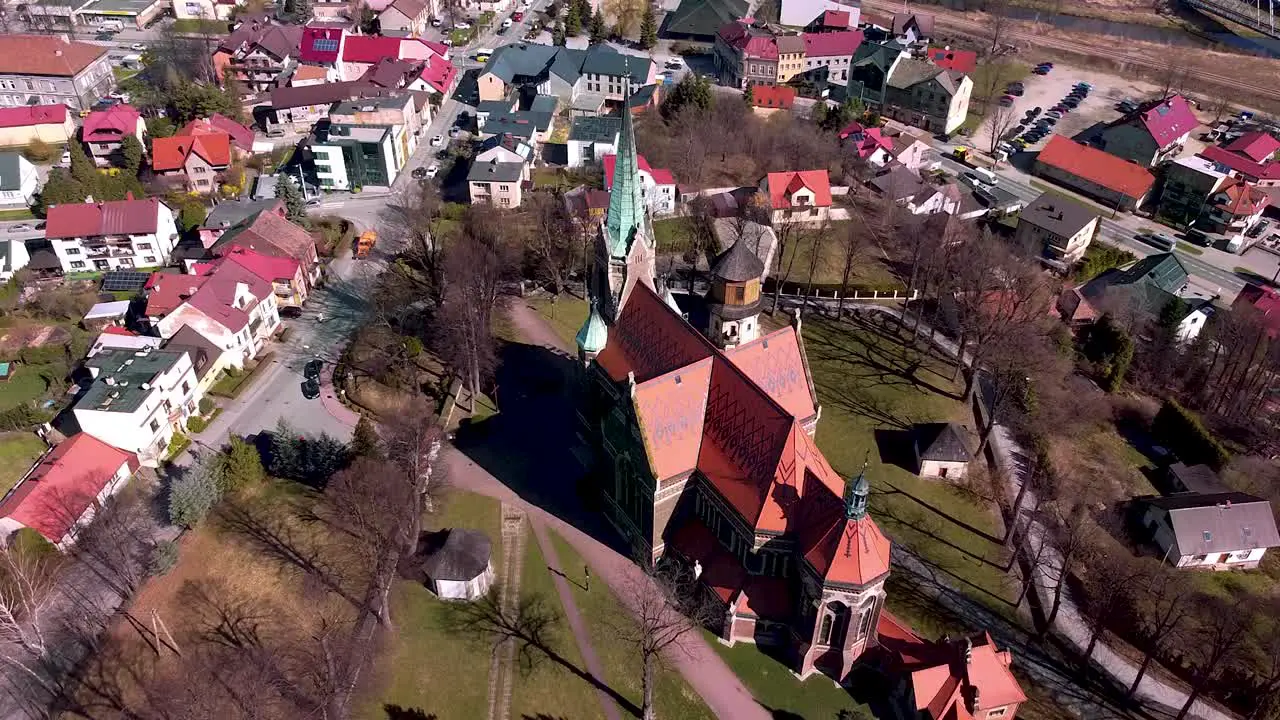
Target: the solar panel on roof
(124, 280)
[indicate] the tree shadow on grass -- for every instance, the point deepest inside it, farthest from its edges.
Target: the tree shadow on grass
(396, 712)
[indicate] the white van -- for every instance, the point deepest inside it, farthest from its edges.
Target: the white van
(986, 176)
(111, 26)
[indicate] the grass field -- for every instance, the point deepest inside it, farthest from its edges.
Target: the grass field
(868, 270)
(19, 214)
(873, 390)
(566, 315)
(26, 385)
(17, 452)
(424, 666)
(775, 687)
(672, 234)
(621, 662)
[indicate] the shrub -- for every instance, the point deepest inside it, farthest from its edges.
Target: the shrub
(206, 406)
(1181, 430)
(164, 555)
(39, 151)
(1111, 348)
(241, 466)
(32, 545)
(22, 417)
(412, 347)
(196, 424)
(194, 493)
(1101, 258)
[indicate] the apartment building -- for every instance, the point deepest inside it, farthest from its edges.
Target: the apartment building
(117, 235)
(46, 69)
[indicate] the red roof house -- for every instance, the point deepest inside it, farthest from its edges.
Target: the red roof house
(660, 176)
(1152, 131)
(832, 44)
(218, 124)
(1093, 172)
(270, 233)
(1264, 301)
(167, 291)
(117, 217)
(321, 43)
(110, 125)
(783, 186)
(64, 489)
(965, 61)
(1266, 172)
(834, 20)
(965, 678)
(751, 42)
(172, 153)
(866, 142)
(773, 97)
(284, 273)
(1257, 146)
(1239, 199)
(26, 115)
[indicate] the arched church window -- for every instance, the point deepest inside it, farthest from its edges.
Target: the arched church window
(824, 635)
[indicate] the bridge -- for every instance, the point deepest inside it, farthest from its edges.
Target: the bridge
(1258, 15)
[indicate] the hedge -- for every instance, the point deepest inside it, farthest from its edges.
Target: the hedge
(1181, 431)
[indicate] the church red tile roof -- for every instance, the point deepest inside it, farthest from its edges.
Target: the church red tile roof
(736, 418)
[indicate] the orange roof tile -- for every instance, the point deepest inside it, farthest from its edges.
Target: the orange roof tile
(782, 185)
(1096, 166)
(670, 409)
(171, 153)
(774, 362)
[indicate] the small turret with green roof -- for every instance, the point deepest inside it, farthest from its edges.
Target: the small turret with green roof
(592, 337)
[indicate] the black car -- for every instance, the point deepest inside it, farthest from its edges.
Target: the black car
(311, 389)
(419, 173)
(313, 368)
(290, 311)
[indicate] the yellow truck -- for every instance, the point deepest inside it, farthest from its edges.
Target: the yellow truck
(365, 243)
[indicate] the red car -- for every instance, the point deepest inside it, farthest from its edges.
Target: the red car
(517, 16)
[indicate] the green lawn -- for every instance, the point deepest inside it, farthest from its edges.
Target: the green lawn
(619, 661)
(775, 687)
(19, 214)
(233, 383)
(424, 667)
(195, 26)
(869, 383)
(26, 385)
(17, 453)
(566, 315)
(548, 689)
(868, 272)
(673, 234)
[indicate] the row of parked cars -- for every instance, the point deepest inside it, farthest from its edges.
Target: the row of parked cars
(1033, 127)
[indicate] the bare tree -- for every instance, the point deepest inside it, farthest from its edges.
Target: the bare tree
(998, 21)
(1107, 577)
(26, 591)
(1000, 119)
(549, 239)
(1161, 600)
(1216, 643)
(1071, 537)
(116, 545)
(854, 247)
(820, 235)
(667, 604)
(790, 236)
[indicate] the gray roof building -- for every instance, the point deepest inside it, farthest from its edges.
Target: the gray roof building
(501, 172)
(702, 18)
(10, 171)
(942, 442)
(590, 128)
(454, 555)
(123, 378)
(231, 212)
(1194, 478)
(1057, 214)
(530, 63)
(1218, 522)
(203, 352)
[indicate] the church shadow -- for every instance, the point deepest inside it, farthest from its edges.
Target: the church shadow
(529, 444)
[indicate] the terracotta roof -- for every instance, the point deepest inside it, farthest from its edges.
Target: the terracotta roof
(110, 125)
(46, 55)
(835, 18)
(661, 176)
(1166, 120)
(167, 291)
(118, 217)
(951, 673)
(309, 72)
(773, 96)
(1096, 166)
(670, 410)
(782, 185)
(752, 42)
(215, 298)
(241, 136)
(272, 234)
(409, 8)
(438, 73)
(64, 485)
(171, 153)
(866, 141)
(832, 44)
(1265, 300)
(965, 61)
(1242, 198)
(33, 115)
(776, 364)
(1257, 146)
(267, 267)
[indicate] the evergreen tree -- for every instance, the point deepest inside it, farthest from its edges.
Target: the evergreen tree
(82, 168)
(557, 33)
(572, 22)
(749, 97)
(648, 27)
(286, 451)
(132, 152)
(599, 32)
(691, 91)
(193, 494)
(295, 205)
(241, 466)
(365, 441)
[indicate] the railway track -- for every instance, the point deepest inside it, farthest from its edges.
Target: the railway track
(1142, 59)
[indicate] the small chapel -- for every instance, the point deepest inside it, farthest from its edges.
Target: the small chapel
(704, 440)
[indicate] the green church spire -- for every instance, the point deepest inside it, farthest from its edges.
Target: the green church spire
(855, 495)
(626, 213)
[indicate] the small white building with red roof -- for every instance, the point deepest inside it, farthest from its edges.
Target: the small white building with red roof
(658, 185)
(868, 144)
(104, 131)
(63, 491)
(1155, 131)
(798, 196)
(115, 235)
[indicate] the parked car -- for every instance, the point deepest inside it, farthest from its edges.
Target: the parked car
(464, 25)
(433, 169)
(311, 370)
(1127, 106)
(1034, 111)
(437, 141)
(517, 16)
(311, 389)
(138, 47)
(24, 227)
(1156, 240)
(419, 173)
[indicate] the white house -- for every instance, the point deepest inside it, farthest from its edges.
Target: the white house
(138, 399)
(13, 257)
(19, 181)
(63, 491)
(591, 138)
(657, 185)
(802, 196)
(1214, 531)
(456, 564)
(1156, 130)
(941, 451)
(118, 235)
(232, 307)
(205, 9)
(800, 13)
(1057, 226)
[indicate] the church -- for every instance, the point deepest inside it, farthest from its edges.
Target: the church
(704, 441)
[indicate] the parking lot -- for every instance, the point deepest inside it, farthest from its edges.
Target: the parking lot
(1045, 91)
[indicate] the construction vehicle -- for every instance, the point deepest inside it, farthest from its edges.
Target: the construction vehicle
(365, 243)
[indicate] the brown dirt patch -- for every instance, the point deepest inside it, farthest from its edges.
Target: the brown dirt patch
(33, 336)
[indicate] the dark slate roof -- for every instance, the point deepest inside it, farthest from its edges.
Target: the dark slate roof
(1196, 478)
(10, 171)
(738, 264)
(1162, 270)
(1219, 522)
(495, 172)
(42, 256)
(495, 106)
(520, 124)
(942, 442)
(455, 554)
(544, 104)
(595, 128)
(230, 212)
(1057, 214)
(202, 351)
(520, 60)
(704, 17)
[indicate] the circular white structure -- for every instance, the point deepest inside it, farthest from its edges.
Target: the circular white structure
(457, 563)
